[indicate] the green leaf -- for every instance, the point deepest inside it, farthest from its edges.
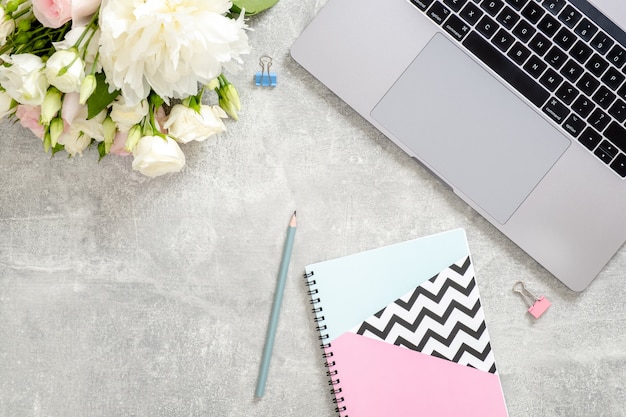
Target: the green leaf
(57, 148)
(101, 98)
(252, 6)
(101, 150)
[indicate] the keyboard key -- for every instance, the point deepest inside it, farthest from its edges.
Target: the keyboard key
(567, 93)
(590, 138)
(487, 27)
(455, 4)
(583, 106)
(613, 78)
(533, 12)
(540, 44)
(508, 18)
(617, 56)
(551, 79)
(492, 6)
(617, 135)
(456, 27)
(471, 13)
(588, 84)
(580, 52)
(519, 53)
(438, 12)
(556, 110)
(605, 155)
(503, 40)
(535, 66)
(554, 6)
(574, 125)
(603, 97)
(601, 43)
(524, 31)
(570, 16)
(597, 65)
(619, 165)
(519, 80)
(422, 4)
(556, 57)
(572, 71)
(548, 25)
(608, 147)
(517, 4)
(618, 110)
(586, 29)
(621, 93)
(598, 119)
(564, 38)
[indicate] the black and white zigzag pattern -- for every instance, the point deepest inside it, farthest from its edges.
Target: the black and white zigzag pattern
(442, 317)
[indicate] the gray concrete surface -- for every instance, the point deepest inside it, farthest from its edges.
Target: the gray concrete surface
(125, 296)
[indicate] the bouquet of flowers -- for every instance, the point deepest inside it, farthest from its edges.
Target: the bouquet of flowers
(125, 76)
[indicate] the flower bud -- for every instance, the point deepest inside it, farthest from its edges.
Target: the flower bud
(228, 107)
(51, 105)
(213, 84)
(87, 87)
(110, 129)
(24, 25)
(56, 130)
(134, 134)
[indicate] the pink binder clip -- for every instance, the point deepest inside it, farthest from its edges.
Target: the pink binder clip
(538, 305)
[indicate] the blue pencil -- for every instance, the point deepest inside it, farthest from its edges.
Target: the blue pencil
(278, 298)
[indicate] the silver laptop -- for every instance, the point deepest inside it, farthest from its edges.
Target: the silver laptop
(519, 106)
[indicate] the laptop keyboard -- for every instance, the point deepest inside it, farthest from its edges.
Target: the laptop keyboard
(552, 53)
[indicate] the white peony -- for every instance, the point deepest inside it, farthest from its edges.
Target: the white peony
(155, 156)
(65, 70)
(186, 124)
(23, 78)
(127, 115)
(168, 45)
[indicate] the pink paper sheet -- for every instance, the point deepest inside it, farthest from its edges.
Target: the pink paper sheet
(379, 379)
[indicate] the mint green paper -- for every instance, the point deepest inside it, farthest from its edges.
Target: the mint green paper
(354, 287)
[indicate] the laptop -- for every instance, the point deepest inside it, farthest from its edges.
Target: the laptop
(519, 106)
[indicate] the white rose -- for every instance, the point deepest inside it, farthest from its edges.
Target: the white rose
(126, 116)
(65, 70)
(185, 124)
(6, 104)
(154, 156)
(72, 37)
(23, 78)
(7, 26)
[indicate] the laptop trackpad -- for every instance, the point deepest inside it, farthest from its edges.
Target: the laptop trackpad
(462, 122)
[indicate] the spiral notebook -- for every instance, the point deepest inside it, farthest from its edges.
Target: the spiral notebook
(403, 331)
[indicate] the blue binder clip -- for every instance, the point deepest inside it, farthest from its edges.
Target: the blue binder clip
(265, 78)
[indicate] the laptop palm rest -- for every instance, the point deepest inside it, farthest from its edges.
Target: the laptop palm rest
(468, 128)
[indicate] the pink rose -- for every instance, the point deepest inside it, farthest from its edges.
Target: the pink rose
(29, 118)
(118, 144)
(55, 13)
(83, 10)
(71, 107)
(52, 13)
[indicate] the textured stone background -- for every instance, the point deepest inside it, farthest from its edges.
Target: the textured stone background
(125, 296)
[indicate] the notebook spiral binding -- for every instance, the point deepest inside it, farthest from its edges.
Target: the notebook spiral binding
(334, 380)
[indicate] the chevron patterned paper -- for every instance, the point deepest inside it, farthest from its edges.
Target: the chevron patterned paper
(442, 317)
